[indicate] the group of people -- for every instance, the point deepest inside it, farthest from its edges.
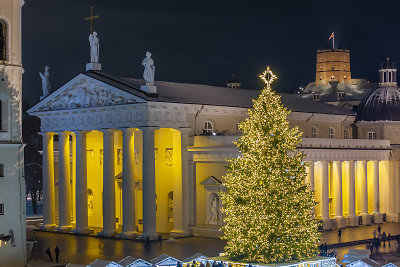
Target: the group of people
(374, 244)
(56, 252)
(323, 251)
(208, 264)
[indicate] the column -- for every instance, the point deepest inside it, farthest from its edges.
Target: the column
(377, 215)
(192, 192)
(64, 182)
(48, 182)
(366, 219)
(108, 183)
(81, 184)
(340, 221)
(181, 190)
(128, 184)
(149, 184)
(311, 179)
(325, 195)
(353, 220)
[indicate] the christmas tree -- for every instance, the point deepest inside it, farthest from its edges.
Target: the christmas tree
(267, 202)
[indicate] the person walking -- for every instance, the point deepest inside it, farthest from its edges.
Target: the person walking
(340, 234)
(384, 239)
(388, 238)
(374, 233)
(57, 252)
(379, 229)
(49, 254)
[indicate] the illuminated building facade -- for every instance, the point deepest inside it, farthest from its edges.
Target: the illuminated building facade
(129, 162)
(12, 181)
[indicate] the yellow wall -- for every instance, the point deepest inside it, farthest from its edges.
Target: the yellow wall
(359, 184)
(94, 146)
(384, 186)
(168, 171)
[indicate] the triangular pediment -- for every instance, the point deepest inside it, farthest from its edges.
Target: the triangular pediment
(84, 92)
(211, 181)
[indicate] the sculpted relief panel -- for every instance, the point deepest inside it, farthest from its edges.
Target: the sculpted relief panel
(83, 94)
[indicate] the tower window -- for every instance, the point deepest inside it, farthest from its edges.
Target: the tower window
(346, 134)
(3, 40)
(371, 135)
(316, 97)
(208, 128)
(331, 133)
(314, 132)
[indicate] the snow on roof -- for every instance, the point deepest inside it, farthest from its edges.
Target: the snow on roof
(133, 262)
(164, 260)
(104, 263)
(195, 257)
(211, 95)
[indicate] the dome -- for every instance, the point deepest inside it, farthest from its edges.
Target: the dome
(383, 104)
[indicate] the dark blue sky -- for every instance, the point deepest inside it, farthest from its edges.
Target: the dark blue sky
(203, 41)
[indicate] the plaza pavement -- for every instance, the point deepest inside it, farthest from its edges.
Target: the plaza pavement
(85, 249)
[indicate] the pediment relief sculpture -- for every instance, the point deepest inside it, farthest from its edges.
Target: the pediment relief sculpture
(83, 94)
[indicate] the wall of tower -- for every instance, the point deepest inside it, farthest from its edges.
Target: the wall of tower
(12, 180)
(333, 65)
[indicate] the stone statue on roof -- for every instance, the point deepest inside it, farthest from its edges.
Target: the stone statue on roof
(94, 47)
(45, 81)
(149, 69)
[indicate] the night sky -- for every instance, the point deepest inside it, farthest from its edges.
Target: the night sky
(204, 41)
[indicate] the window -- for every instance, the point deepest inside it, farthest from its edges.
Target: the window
(371, 135)
(331, 133)
(3, 40)
(208, 128)
(346, 134)
(1, 170)
(314, 132)
(340, 95)
(316, 97)
(2, 209)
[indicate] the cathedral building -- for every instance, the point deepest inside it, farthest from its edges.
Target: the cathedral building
(132, 157)
(12, 181)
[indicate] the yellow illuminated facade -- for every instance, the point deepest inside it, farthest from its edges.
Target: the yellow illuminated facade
(144, 165)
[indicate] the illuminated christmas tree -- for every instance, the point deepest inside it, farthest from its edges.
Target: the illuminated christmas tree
(267, 202)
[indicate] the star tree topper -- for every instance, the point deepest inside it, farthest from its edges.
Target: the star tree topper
(268, 77)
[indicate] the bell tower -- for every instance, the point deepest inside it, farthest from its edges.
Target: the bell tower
(12, 180)
(10, 70)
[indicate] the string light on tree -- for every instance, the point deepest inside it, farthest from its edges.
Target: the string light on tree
(267, 202)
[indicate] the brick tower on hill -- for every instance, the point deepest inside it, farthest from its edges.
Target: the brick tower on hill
(333, 65)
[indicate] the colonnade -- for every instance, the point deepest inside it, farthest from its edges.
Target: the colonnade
(330, 175)
(128, 184)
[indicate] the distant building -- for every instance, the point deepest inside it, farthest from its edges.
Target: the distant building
(333, 83)
(233, 83)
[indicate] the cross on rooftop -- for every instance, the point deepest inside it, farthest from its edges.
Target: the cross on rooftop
(91, 18)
